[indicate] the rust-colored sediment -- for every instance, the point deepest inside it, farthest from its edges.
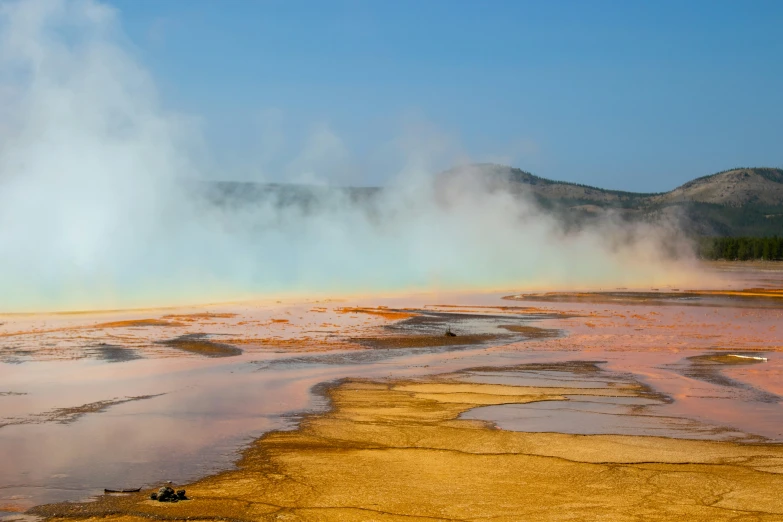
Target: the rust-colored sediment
(423, 341)
(531, 332)
(747, 295)
(199, 316)
(138, 323)
(296, 344)
(202, 346)
(390, 315)
(133, 323)
(397, 450)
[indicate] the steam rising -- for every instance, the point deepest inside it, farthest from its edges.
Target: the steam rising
(101, 203)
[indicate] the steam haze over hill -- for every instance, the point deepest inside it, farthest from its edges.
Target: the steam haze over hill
(736, 202)
(103, 200)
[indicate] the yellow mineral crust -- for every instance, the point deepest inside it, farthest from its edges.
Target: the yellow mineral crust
(397, 450)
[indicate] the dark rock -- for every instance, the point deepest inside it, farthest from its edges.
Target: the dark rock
(181, 494)
(154, 496)
(173, 499)
(165, 494)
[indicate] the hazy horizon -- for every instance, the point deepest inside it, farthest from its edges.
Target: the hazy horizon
(92, 151)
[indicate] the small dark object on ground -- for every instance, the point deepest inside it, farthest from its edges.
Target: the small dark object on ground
(167, 494)
(122, 490)
(449, 333)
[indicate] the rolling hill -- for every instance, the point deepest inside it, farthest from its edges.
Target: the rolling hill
(736, 202)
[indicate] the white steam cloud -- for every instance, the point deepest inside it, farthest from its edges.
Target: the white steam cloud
(100, 204)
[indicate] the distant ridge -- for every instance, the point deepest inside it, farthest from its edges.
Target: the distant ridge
(739, 185)
(735, 187)
(741, 201)
(746, 201)
(522, 176)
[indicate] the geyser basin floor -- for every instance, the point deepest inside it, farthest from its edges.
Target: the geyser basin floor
(396, 450)
(200, 405)
(636, 369)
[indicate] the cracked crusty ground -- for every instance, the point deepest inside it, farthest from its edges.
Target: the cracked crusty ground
(396, 450)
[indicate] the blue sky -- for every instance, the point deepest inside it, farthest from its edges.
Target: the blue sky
(626, 94)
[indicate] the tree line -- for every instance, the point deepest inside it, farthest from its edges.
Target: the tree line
(741, 248)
